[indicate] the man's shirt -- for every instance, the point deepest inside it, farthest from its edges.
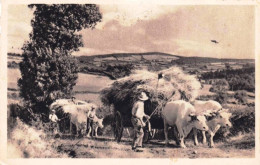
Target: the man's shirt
(138, 109)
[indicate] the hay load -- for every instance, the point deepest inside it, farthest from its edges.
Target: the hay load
(174, 84)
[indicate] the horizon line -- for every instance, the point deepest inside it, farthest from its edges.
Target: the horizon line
(147, 53)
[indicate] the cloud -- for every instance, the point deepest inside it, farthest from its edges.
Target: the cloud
(130, 14)
(183, 30)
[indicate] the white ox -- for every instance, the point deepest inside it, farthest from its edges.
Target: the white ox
(182, 115)
(60, 102)
(79, 111)
(79, 115)
(216, 117)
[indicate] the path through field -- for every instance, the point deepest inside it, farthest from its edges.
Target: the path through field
(106, 147)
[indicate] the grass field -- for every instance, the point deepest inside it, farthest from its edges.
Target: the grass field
(106, 147)
(88, 87)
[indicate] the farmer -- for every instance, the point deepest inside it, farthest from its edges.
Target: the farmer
(137, 121)
(54, 120)
(90, 120)
(73, 100)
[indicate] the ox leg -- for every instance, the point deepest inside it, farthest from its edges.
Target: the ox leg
(195, 136)
(181, 138)
(93, 129)
(89, 131)
(211, 142)
(204, 141)
(176, 135)
(70, 128)
(77, 133)
(153, 132)
(96, 129)
(166, 133)
(128, 133)
(212, 134)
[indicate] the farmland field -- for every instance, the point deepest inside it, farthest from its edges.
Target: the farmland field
(87, 88)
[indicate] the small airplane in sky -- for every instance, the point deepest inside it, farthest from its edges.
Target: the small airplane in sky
(214, 41)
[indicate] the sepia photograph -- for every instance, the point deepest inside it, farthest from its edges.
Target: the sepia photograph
(131, 81)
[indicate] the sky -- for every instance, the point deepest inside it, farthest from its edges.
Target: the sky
(179, 30)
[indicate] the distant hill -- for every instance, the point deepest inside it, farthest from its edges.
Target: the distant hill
(131, 54)
(178, 59)
(118, 65)
(193, 60)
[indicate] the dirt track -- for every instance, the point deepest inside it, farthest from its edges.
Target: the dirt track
(106, 147)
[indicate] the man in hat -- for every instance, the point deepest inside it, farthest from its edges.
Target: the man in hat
(137, 121)
(54, 119)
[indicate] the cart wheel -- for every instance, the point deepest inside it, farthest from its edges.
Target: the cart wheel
(118, 127)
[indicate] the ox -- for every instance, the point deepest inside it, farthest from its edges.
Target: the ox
(216, 117)
(60, 102)
(182, 115)
(203, 106)
(78, 111)
(96, 123)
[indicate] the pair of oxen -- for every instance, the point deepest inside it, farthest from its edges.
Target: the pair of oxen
(81, 114)
(207, 116)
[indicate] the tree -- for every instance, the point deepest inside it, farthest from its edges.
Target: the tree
(48, 69)
(227, 66)
(222, 97)
(241, 96)
(219, 86)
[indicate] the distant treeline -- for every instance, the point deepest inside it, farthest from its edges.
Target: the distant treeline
(126, 55)
(113, 72)
(238, 79)
(12, 64)
(200, 60)
(14, 54)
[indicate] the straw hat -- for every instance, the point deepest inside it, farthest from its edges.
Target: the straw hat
(143, 96)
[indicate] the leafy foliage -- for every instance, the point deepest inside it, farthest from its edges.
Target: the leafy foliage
(48, 69)
(238, 79)
(119, 71)
(219, 86)
(222, 97)
(242, 119)
(241, 96)
(55, 25)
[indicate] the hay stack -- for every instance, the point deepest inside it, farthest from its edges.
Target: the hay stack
(174, 85)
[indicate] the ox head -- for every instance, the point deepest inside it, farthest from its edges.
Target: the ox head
(222, 117)
(199, 122)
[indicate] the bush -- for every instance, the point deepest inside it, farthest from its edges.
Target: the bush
(119, 71)
(219, 85)
(241, 96)
(12, 64)
(222, 97)
(243, 120)
(238, 79)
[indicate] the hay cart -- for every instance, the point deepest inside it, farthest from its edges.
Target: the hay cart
(122, 119)
(123, 92)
